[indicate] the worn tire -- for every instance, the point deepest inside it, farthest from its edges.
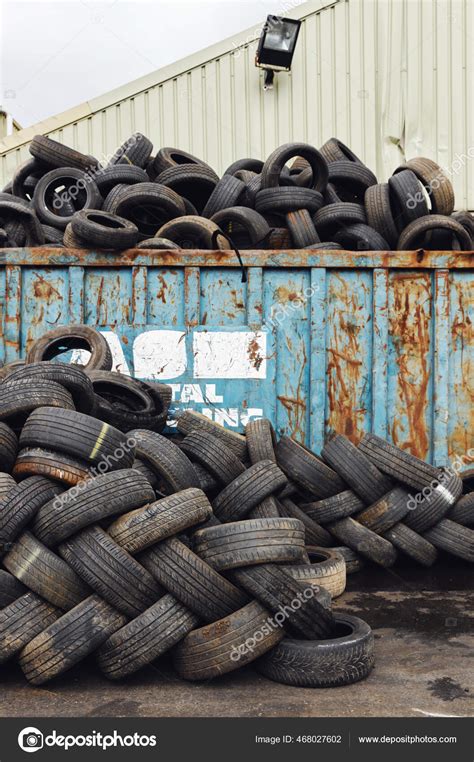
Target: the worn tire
(261, 440)
(397, 463)
(327, 569)
(413, 235)
(213, 455)
(437, 185)
(463, 510)
(8, 446)
(79, 435)
(385, 512)
(45, 573)
(166, 459)
(341, 660)
(105, 495)
(69, 639)
(55, 154)
(364, 541)
(192, 581)
(247, 490)
(91, 198)
(104, 230)
(452, 538)
(412, 544)
(355, 468)
(69, 376)
(21, 505)
(436, 504)
(333, 508)
(10, 588)
(21, 621)
(307, 470)
(58, 340)
(379, 212)
(145, 638)
(314, 533)
(36, 461)
(253, 541)
(155, 522)
(274, 164)
(190, 420)
(19, 398)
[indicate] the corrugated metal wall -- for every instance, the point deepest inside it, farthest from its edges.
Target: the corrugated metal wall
(316, 341)
(389, 77)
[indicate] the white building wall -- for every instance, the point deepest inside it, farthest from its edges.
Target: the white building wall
(392, 78)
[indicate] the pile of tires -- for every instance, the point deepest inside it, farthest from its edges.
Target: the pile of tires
(299, 198)
(221, 548)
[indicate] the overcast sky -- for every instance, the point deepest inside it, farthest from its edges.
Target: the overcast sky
(59, 53)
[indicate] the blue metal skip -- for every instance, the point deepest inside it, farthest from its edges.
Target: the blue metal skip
(316, 341)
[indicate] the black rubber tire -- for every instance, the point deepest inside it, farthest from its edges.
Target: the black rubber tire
(20, 222)
(155, 522)
(252, 229)
(278, 591)
(323, 663)
(190, 420)
(379, 212)
(45, 573)
(21, 621)
(192, 232)
(20, 398)
(105, 495)
(227, 193)
(214, 455)
(247, 490)
(314, 533)
(307, 470)
(355, 468)
(253, 541)
(36, 461)
(21, 505)
(113, 196)
(463, 511)
(412, 237)
(119, 174)
(327, 569)
(110, 571)
(453, 538)
(335, 150)
(332, 217)
(333, 508)
(125, 402)
(364, 541)
(166, 459)
(283, 200)
(59, 340)
(8, 447)
(397, 463)
(104, 230)
(436, 504)
(412, 544)
(173, 157)
(252, 165)
(7, 483)
(361, 238)
(207, 483)
(70, 178)
(10, 588)
(302, 230)
(55, 154)
(279, 239)
(196, 182)
(69, 376)
(275, 163)
(226, 645)
(192, 581)
(354, 562)
(385, 512)
(436, 183)
(145, 638)
(69, 639)
(25, 174)
(261, 440)
(135, 151)
(407, 199)
(157, 243)
(79, 435)
(268, 508)
(147, 205)
(350, 180)
(466, 219)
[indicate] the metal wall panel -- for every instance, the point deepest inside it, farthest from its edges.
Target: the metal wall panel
(317, 342)
(389, 77)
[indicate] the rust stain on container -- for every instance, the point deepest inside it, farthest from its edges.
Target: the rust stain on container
(254, 353)
(410, 330)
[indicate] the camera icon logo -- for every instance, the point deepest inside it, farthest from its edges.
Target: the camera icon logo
(30, 739)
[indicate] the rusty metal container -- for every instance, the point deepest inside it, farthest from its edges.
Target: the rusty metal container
(317, 341)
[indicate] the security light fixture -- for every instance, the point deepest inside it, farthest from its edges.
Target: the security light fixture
(276, 46)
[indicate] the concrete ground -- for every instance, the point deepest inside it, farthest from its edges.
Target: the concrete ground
(423, 621)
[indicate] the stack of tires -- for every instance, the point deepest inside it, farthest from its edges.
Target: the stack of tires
(221, 548)
(300, 197)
